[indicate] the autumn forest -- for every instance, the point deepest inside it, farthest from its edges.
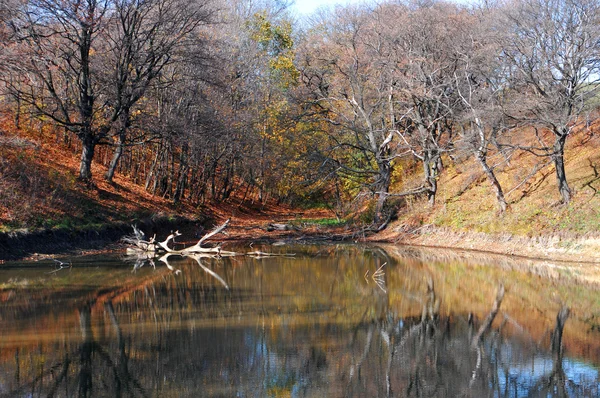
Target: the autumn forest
(290, 148)
(357, 108)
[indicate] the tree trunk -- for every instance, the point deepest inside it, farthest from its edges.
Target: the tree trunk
(383, 186)
(18, 112)
(88, 146)
(123, 127)
(182, 175)
(114, 162)
(430, 167)
(152, 171)
(213, 179)
(481, 158)
(229, 183)
(181, 183)
(558, 156)
(261, 181)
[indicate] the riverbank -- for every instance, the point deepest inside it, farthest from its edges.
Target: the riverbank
(44, 243)
(556, 247)
(246, 224)
(50, 242)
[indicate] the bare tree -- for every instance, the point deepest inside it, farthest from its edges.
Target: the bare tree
(143, 38)
(426, 52)
(480, 81)
(86, 64)
(58, 42)
(552, 49)
(351, 82)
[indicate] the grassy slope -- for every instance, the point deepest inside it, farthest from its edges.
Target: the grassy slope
(466, 213)
(534, 206)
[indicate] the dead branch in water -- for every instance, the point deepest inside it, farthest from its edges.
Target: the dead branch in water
(142, 251)
(197, 248)
(137, 243)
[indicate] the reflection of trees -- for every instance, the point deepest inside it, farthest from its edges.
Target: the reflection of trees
(556, 382)
(449, 357)
(85, 369)
(299, 326)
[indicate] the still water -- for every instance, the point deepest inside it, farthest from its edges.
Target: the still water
(329, 321)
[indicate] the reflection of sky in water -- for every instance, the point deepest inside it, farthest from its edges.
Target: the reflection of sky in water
(521, 372)
(523, 376)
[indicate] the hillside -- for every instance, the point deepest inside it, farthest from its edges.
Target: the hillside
(39, 187)
(536, 223)
(41, 198)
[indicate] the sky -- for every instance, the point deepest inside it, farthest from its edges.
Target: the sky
(306, 7)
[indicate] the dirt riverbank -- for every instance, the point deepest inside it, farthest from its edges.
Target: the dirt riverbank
(557, 247)
(46, 243)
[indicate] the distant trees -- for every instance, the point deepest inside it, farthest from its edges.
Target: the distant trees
(141, 40)
(385, 80)
(349, 72)
(428, 79)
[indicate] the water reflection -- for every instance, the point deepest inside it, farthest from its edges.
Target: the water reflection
(312, 325)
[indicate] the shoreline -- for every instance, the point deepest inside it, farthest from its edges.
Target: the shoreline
(553, 247)
(17, 246)
(49, 242)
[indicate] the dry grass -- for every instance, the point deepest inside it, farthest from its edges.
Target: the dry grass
(536, 223)
(466, 201)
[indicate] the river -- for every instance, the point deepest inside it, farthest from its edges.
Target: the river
(331, 320)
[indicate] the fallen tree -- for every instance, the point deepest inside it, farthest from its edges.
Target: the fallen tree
(139, 244)
(143, 251)
(146, 249)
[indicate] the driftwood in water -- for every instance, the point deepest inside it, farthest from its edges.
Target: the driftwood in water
(197, 248)
(138, 243)
(144, 250)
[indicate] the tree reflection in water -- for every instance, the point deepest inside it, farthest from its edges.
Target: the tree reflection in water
(282, 327)
(84, 370)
